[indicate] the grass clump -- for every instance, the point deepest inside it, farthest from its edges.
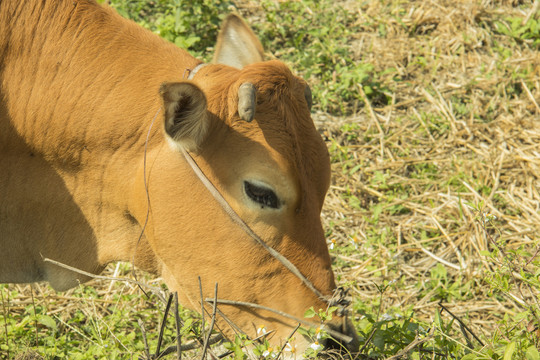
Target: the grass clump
(314, 36)
(191, 25)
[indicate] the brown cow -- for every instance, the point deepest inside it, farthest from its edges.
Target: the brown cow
(91, 157)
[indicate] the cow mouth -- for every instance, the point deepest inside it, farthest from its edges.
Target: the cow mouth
(343, 347)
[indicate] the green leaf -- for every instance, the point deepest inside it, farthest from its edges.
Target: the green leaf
(509, 351)
(47, 321)
(438, 320)
(485, 253)
(532, 354)
(186, 43)
(355, 169)
(239, 353)
(310, 313)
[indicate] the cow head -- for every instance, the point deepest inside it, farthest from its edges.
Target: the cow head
(247, 125)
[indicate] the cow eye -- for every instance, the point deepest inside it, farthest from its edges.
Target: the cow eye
(261, 195)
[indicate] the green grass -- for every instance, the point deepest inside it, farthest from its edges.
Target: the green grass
(191, 25)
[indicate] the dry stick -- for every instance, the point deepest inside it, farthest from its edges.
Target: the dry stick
(534, 255)
(115, 273)
(143, 229)
(243, 346)
(419, 117)
(212, 340)
(225, 354)
(417, 341)
(446, 109)
(497, 178)
(214, 310)
(177, 320)
(406, 103)
(203, 311)
(479, 197)
(162, 328)
(5, 319)
(225, 318)
(461, 323)
(202, 305)
(462, 263)
(533, 11)
(374, 118)
(235, 327)
(35, 315)
(190, 345)
(237, 330)
(530, 95)
(145, 341)
(439, 259)
(534, 297)
(154, 289)
(510, 266)
(366, 343)
(288, 339)
(467, 337)
(441, 107)
(333, 333)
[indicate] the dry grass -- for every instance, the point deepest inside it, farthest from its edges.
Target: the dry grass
(463, 127)
(488, 152)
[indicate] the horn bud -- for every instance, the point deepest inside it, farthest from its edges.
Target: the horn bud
(247, 99)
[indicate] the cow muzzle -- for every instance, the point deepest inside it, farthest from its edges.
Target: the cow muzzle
(349, 343)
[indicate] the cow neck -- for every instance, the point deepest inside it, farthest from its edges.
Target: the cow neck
(237, 219)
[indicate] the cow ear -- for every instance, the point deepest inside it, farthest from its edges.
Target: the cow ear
(186, 119)
(237, 45)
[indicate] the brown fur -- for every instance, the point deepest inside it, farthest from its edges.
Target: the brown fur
(78, 94)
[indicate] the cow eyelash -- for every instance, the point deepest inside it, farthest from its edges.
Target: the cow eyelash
(261, 195)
